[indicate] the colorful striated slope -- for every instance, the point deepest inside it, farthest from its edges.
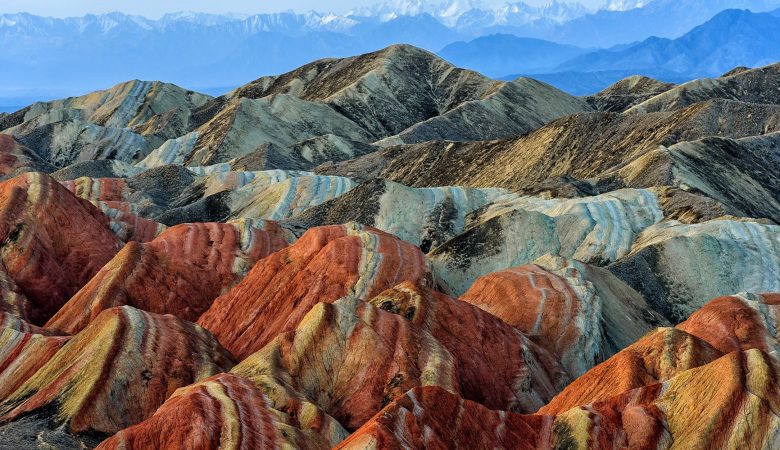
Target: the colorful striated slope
(352, 358)
(325, 264)
(113, 374)
(224, 412)
(739, 322)
(426, 217)
(23, 350)
(580, 313)
(16, 158)
(655, 358)
(181, 272)
(432, 417)
(678, 268)
(516, 230)
(53, 242)
(730, 403)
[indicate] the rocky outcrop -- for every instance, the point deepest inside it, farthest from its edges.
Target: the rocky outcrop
(224, 411)
(678, 267)
(15, 158)
(627, 93)
(113, 374)
(352, 358)
(53, 242)
(325, 264)
(23, 350)
(517, 230)
(181, 272)
(581, 314)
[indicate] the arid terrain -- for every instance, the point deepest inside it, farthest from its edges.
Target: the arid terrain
(388, 252)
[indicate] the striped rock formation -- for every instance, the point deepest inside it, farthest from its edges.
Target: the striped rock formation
(224, 412)
(730, 403)
(738, 322)
(325, 264)
(352, 358)
(53, 242)
(580, 313)
(16, 158)
(181, 272)
(12, 300)
(432, 417)
(122, 123)
(426, 217)
(678, 268)
(655, 358)
(126, 222)
(516, 230)
(113, 374)
(23, 350)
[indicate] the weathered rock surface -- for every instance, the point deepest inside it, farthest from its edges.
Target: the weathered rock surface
(113, 374)
(325, 264)
(352, 358)
(432, 417)
(224, 411)
(181, 272)
(426, 217)
(15, 158)
(53, 242)
(517, 230)
(678, 267)
(581, 314)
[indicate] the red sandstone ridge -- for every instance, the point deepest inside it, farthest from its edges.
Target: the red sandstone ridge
(431, 417)
(53, 242)
(352, 358)
(738, 323)
(116, 372)
(657, 357)
(23, 350)
(325, 264)
(222, 412)
(181, 272)
(580, 313)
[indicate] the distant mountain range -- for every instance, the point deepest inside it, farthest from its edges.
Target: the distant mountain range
(48, 57)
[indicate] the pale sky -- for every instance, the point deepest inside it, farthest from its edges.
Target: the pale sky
(155, 8)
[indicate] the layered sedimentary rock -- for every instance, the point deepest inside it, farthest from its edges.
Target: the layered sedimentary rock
(352, 358)
(730, 403)
(581, 146)
(53, 242)
(181, 272)
(325, 264)
(221, 412)
(739, 322)
(516, 230)
(23, 350)
(678, 267)
(741, 175)
(432, 417)
(426, 217)
(119, 123)
(113, 374)
(627, 93)
(754, 85)
(16, 158)
(580, 313)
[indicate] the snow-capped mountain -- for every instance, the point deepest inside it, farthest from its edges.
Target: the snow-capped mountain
(625, 5)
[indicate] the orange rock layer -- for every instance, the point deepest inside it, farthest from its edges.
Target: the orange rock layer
(181, 272)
